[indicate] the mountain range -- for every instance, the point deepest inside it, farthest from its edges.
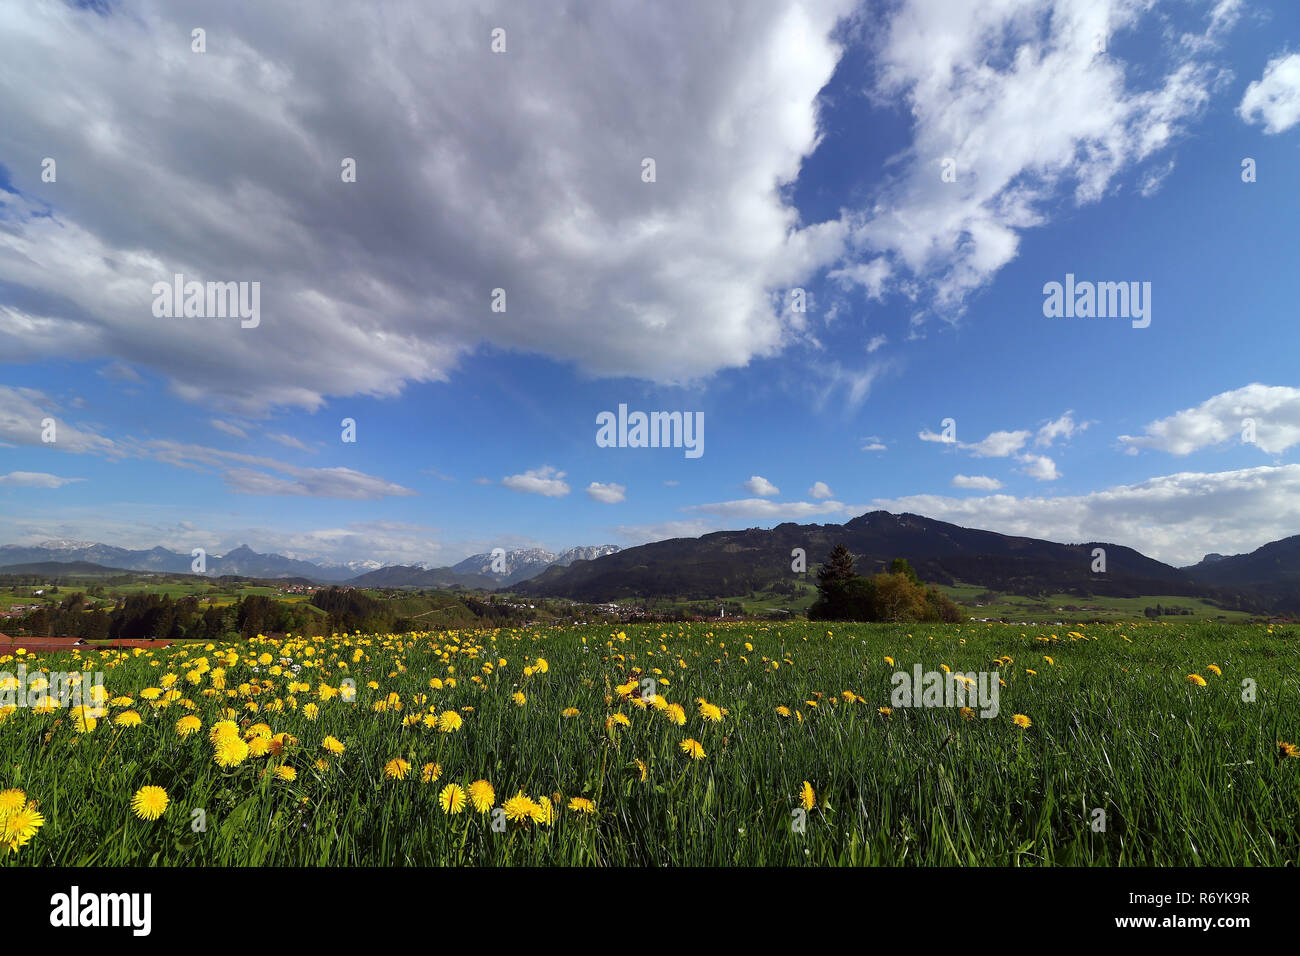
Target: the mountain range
(476, 571)
(729, 563)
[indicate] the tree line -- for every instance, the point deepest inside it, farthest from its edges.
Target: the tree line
(896, 594)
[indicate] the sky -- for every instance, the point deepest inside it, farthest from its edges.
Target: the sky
(826, 228)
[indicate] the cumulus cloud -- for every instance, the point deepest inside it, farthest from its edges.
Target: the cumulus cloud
(1274, 99)
(475, 171)
(545, 481)
(610, 494)
(1273, 409)
(820, 490)
(35, 479)
(766, 508)
(997, 444)
(928, 435)
(1174, 518)
(1039, 467)
(758, 485)
(1017, 97)
(976, 482)
(1063, 427)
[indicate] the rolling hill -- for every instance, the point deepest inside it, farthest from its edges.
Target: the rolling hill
(728, 563)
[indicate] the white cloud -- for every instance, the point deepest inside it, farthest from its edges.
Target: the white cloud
(820, 490)
(468, 164)
(1017, 95)
(1063, 427)
(545, 481)
(1275, 410)
(1274, 99)
(22, 414)
(874, 446)
(765, 508)
(288, 441)
(609, 494)
(629, 535)
(876, 342)
(35, 479)
(758, 485)
(997, 445)
(229, 428)
(1154, 178)
(1174, 518)
(976, 482)
(1039, 467)
(257, 475)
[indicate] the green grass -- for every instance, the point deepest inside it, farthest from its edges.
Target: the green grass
(1185, 775)
(1053, 606)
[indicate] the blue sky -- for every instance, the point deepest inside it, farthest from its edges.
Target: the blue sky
(796, 146)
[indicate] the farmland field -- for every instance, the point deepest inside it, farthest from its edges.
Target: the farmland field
(1150, 744)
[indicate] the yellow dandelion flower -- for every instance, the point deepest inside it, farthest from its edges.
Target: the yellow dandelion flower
(582, 805)
(223, 728)
(149, 802)
(692, 748)
(452, 798)
(1021, 721)
(482, 796)
(807, 798)
(520, 808)
(18, 827)
(11, 800)
(396, 769)
(229, 751)
(333, 745)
